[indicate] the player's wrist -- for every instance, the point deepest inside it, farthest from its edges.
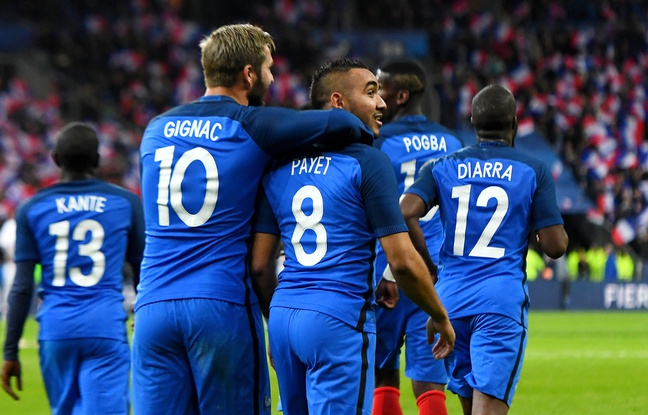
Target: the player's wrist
(388, 275)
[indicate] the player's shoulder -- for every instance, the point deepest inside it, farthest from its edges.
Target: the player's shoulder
(40, 195)
(363, 153)
(503, 152)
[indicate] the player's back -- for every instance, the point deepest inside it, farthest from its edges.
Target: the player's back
(200, 172)
(487, 196)
(80, 232)
(410, 142)
(320, 201)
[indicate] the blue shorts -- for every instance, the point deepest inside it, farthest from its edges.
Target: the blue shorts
(86, 376)
(488, 356)
(406, 324)
(323, 365)
(199, 356)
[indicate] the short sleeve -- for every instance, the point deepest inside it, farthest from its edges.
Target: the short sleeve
(545, 208)
(380, 193)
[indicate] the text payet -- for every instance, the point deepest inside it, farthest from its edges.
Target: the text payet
(80, 203)
(425, 142)
(486, 169)
(314, 165)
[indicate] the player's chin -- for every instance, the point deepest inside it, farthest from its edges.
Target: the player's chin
(375, 127)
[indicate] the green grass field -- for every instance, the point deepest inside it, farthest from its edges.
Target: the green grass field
(577, 363)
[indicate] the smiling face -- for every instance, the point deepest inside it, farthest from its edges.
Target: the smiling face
(359, 95)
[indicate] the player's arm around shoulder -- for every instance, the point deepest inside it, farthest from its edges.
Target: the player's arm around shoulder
(413, 278)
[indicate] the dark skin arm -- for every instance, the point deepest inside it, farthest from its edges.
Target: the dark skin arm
(414, 208)
(265, 248)
(387, 295)
(553, 240)
(21, 294)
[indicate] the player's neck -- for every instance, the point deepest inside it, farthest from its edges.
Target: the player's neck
(237, 94)
(71, 176)
(406, 112)
(494, 140)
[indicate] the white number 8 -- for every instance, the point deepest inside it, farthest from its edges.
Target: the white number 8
(312, 222)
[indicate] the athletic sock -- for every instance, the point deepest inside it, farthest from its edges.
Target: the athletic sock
(432, 403)
(385, 401)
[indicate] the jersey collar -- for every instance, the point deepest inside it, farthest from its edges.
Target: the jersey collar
(413, 118)
(492, 144)
(213, 98)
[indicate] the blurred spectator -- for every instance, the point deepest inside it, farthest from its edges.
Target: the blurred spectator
(610, 264)
(535, 264)
(577, 264)
(596, 261)
(8, 248)
(625, 266)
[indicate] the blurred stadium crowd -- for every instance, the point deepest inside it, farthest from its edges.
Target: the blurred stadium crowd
(578, 69)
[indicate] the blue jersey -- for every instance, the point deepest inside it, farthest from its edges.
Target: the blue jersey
(410, 142)
(490, 197)
(330, 208)
(81, 232)
(201, 166)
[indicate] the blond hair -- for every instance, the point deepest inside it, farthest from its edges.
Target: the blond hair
(227, 50)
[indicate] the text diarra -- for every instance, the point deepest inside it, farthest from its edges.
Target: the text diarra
(486, 169)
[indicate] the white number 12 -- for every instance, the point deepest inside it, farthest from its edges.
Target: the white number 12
(481, 248)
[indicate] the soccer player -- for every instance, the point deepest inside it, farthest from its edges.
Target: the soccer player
(81, 231)
(329, 207)
(409, 139)
(199, 344)
(491, 197)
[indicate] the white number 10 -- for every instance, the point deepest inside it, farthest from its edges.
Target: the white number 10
(170, 183)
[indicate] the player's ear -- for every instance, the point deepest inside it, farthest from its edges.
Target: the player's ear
(56, 159)
(248, 76)
(337, 100)
(402, 97)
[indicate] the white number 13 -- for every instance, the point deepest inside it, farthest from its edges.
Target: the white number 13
(92, 249)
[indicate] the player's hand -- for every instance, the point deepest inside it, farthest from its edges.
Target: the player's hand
(11, 368)
(387, 294)
(445, 345)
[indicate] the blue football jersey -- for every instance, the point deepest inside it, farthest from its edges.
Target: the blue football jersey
(410, 142)
(490, 197)
(201, 166)
(81, 232)
(330, 208)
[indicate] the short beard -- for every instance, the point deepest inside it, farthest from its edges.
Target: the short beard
(255, 100)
